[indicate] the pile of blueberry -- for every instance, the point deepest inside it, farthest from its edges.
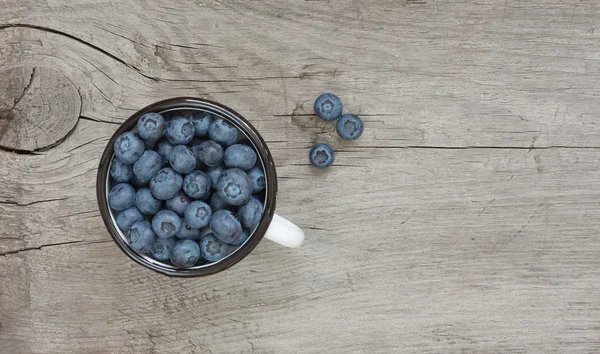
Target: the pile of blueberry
(349, 127)
(187, 189)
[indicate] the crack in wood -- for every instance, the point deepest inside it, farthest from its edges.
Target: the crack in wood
(51, 245)
(12, 202)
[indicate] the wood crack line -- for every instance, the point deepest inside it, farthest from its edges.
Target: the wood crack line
(12, 202)
(16, 102)
(52, 245)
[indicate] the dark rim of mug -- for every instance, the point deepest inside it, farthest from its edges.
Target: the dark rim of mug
(191, 103)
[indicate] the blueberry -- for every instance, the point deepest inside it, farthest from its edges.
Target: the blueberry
(178, 203)
(128, 148)
(328, 106)
(199, 164)
(164, 150)
(147, 165)
(138, 183)
(196, 184)
(214, 173)
(222, 132)
(128, 217)
(226, 226)
(151, 126)
(166, 184)
(212, 249)
(201, 121)
(188, 232)
(149, 144)
(257, 178)
(240, 156)
(197, 214)
(121, 172)
(161, 249)
(121, 196)
(182, 159)
(210, 153)
(216, 203)
(349, 127)
(146, 202)
(321, 156)
(234, 187)
(245, 235)
(180, 131)
(141, 237)
(185, 253)
(166, 223)
(250, 213)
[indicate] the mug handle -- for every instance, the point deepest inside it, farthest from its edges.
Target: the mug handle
(284, 232)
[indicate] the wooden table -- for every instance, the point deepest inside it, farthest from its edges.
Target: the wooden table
(464, 220)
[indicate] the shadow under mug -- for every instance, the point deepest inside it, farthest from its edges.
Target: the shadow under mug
(271, 226)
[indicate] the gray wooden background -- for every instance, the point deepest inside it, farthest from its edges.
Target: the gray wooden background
(464, 220)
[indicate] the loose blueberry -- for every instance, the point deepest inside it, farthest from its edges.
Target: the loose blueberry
(197, 214)
(223, 132)
(151, 126)
(245, 235)
(141, 237)
(164, 150)
(128, 217)
(182, 159)
(121, 196)
(234, 187)
(178, 203)
(212, 249)
(201, 121)
(240, 156)
(166, 184)
(257, 178)
(121, 172)
(180, 130)
(188, 232)
(128, 148)
(250, 213)
(226, 226)
(147, 165)
(328, 106)
(210, 153)
(146, 202)
(196, 184)
(161, 249)
(216, 203)
(321, 156)
(349, 127)
(185, 253)
(214, 173)
(166, 223)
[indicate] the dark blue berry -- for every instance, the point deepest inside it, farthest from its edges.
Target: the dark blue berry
(321, 156)
(214, 173)
(166, 223)
(226, 226)
(185, 253)
(216, 203)
(210, 153)
(197, 214)
(182, 159)
(121, 172)
(223, 132)
(212, 249)
(166, 184)
(121, 196)
(201, 121)
(257, 178)
(138, 183)
(141, 237)
(328, 106)
(245, 235)
(180, 130)
(349, 127)
(187, 232)
(234, 187)
(151, 126)
(146, 202)
(164, 150)
(240, 156)
(128, 148)
(147, 165)
(196, 184)
(161, 249)
(128, 217)
(178, 203)
(250, 213)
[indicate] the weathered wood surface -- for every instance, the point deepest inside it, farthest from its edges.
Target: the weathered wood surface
(465, 219)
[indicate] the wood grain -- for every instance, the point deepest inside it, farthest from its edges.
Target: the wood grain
(464, 220)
